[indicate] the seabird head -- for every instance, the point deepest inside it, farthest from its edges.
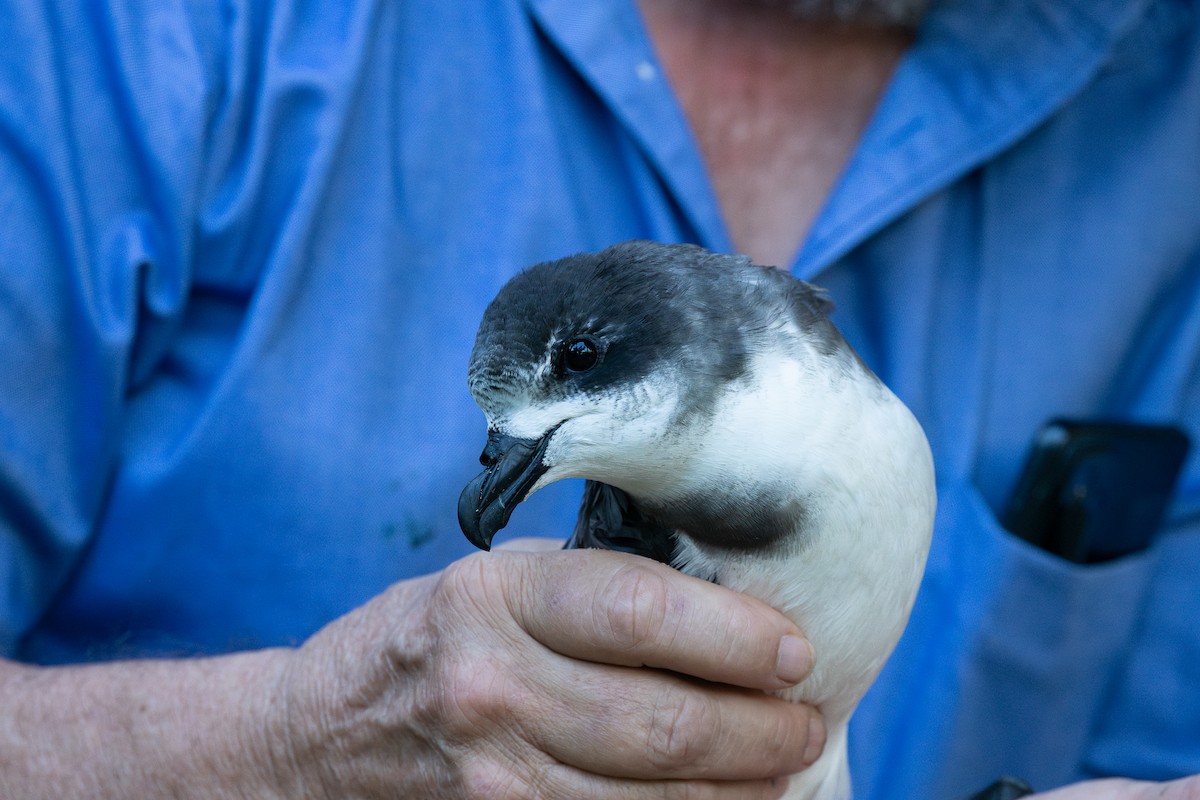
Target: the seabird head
(612, 365)
(716, 410)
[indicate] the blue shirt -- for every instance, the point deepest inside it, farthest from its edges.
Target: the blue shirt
(244, 248)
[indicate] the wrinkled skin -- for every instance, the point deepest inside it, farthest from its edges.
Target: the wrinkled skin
(518, 674)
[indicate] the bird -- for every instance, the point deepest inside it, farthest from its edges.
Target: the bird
(724, 426)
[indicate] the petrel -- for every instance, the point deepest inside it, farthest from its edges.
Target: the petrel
(725, 427)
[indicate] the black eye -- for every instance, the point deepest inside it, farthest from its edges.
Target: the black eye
(580, 354)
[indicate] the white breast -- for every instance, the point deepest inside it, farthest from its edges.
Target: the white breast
(858, 455)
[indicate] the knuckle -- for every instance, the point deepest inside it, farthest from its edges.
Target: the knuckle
(682, 730)
(468, 577)
(473, 592)
(633, 607)
(543, 782)
(475, 699)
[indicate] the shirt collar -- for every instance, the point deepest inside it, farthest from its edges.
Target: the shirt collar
(980, 76)
(607, 44)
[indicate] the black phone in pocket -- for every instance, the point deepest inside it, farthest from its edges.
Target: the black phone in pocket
(1093, 491)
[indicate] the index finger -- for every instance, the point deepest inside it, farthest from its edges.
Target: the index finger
(615, 608)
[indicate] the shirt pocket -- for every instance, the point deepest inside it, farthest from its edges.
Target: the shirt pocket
(1043, 647)
(1149, 726)
(1008, 657)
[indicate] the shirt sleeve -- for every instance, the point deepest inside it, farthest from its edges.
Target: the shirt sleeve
(103, 109)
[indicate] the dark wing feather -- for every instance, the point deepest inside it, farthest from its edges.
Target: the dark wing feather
(610, 520)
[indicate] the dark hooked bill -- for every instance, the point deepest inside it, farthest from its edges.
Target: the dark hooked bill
(513, 466)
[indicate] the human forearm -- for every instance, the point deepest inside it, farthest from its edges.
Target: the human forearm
(508, 674)
(198, 728)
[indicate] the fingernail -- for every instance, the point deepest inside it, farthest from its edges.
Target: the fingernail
(816, 739)
(794, 660)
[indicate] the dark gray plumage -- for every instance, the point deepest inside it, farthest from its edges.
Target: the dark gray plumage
(609, 519)
(665, 304)
(725, 427)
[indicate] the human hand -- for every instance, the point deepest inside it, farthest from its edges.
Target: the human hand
(520, 674)
(1122, 789)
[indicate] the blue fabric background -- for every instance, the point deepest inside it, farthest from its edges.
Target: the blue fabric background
(244, 248)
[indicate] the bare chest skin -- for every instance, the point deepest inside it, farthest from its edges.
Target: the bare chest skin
(776, 104)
